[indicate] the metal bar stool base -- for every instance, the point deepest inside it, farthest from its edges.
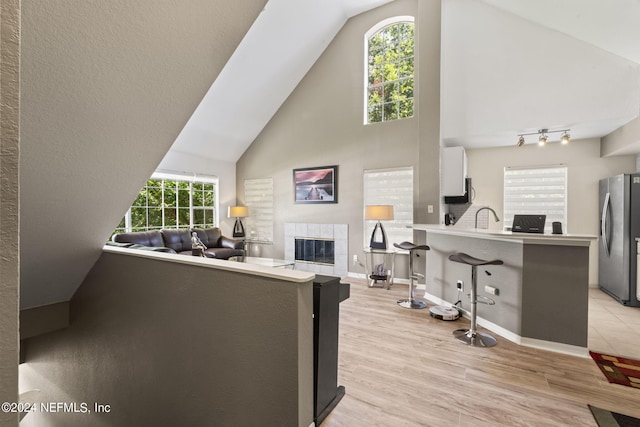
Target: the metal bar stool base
(476, 339)
(411, 303)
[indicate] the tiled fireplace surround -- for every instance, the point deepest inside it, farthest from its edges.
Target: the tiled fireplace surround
(338, 232)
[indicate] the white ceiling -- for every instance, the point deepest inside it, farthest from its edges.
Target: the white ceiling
(289, 36)
(611, 25)
(505, 74)
(281, 46)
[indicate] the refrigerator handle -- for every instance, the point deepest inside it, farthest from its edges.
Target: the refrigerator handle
(604, 232)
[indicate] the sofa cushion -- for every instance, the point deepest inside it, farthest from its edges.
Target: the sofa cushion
(178, 240)
(144, 238)
(152, 248)
(222, 253)
(209, 236)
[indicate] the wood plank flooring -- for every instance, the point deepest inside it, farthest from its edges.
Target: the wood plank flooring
(402, 367)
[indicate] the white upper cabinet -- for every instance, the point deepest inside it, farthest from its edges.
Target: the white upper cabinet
(453, 171)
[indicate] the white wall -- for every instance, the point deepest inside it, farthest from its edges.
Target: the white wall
(181, 162)
(585, 169)
(502, 74)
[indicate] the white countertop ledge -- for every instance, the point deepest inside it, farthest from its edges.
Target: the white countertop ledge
(525, 238)
(285, 274)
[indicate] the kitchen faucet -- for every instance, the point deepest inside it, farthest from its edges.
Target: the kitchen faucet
(495, 215)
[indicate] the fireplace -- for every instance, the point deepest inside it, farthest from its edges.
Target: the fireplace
(318, 248)
(316, 251)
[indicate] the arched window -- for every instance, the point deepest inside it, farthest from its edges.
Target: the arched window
(389, 48)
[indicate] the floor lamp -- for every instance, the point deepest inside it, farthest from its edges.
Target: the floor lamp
(378, 213)
(238, 212)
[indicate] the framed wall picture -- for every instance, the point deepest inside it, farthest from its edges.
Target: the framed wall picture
(316, 185)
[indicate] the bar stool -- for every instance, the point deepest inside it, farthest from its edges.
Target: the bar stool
(411, 247)
(472, 336)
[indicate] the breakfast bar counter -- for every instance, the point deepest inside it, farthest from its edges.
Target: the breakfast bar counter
(541, 290)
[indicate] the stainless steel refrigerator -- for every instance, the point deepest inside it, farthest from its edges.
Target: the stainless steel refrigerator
(619, 228)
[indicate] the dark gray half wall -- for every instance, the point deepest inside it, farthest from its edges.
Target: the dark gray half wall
(167, 344)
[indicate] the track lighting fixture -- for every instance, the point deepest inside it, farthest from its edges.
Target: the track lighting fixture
(543, 137)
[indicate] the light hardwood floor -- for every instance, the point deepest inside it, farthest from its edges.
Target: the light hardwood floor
(402, 367)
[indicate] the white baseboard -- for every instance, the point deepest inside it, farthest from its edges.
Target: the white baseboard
(556, 347)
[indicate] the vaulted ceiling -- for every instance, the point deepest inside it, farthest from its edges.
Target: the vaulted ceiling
(508, 67)
(511, 67)
(275, 54)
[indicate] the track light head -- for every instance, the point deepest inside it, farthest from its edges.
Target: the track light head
(520, 141)
(565, 138)
(542, 140)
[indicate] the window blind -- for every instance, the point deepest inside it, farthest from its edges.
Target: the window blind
(390, 187)
(532, 191)
(258, 197)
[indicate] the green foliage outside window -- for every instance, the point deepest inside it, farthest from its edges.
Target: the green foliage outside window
(390, 73)
(171, 204)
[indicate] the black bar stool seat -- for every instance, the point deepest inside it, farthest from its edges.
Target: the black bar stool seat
(411, 302)
(408, 246)
(472, 336)
(463, 258)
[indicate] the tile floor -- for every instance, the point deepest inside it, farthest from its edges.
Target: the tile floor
(613, 328)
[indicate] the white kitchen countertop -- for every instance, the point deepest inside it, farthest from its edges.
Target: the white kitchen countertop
(525, 238)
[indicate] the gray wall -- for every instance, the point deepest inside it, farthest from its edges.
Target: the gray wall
(9, 203)
(585, 168)
(164, 343)
(106, 88)
(321, 124)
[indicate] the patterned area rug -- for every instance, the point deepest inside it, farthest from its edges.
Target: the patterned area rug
(606, 418)
(618, 370)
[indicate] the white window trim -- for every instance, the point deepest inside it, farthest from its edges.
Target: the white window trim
(184, 177)
(377, 27)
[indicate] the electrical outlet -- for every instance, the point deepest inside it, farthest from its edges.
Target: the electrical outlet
(491, 290)
(429, 208)
(460, 285)
(355, 259)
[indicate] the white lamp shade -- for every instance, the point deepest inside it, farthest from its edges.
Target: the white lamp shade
(238, 211)
(378, 212)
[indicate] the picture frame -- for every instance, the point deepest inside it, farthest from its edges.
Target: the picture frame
(316, 185)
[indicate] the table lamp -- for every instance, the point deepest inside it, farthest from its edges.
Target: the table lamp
(378, 213)
(238, 212)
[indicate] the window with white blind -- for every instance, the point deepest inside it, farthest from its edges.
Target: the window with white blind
(258, 197)
(390, 187)
(533, 191)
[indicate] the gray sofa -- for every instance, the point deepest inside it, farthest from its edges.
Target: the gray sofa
(179, 242)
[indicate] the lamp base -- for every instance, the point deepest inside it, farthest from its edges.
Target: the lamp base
(377, 244)
(238, 229)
